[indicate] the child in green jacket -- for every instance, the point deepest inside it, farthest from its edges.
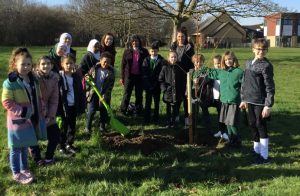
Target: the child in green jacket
(230, 77)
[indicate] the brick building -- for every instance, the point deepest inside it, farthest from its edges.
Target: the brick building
(282, 29)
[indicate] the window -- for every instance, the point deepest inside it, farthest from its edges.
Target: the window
(287, 22)
(298, 39)
(278, 22)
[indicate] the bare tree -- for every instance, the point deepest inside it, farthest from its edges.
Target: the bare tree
(120, 17)
(180, 11)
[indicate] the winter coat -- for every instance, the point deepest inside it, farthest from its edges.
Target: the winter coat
(127, 60)
(87, 62)
(150, 75)
(78, 95)
(230, 80)
(24, 127)
(171, 81)
(258, 84)
(49, 90)
(107, 87)
(186, 60)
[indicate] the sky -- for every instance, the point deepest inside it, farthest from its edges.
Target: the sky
(293, 5)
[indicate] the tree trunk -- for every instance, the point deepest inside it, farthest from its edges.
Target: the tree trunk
(177, 24)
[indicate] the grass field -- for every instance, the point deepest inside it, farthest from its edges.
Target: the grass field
(178, 169)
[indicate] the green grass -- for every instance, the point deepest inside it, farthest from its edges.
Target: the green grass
(180, 169)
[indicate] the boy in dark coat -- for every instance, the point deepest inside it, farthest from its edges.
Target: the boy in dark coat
(103, 74)
(150, 70)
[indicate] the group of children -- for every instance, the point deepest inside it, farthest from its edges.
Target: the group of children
(225, 87)
(43, 101)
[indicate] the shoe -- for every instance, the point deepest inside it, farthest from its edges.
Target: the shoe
(261, 161)
(218, 134)
(49, 161)
(71, 149)
(22, 179)
(255, 155)
(102, 127)
(40, 163)
(65, 152)
(225, 136)
(27, 173)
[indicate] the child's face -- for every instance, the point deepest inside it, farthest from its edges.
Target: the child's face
(217, 63)
(60, 51)
(104, 62)
(153, 52)
(229, 61)
(198, 63)
(45, 66)
(108, 40)
(68, 65)
(259, 51)
(23, 65)
(172, 58)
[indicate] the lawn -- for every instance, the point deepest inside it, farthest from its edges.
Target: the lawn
(178, 169)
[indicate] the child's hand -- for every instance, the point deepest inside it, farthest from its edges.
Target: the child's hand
(266, 112)
(243, 105)
(122, 82)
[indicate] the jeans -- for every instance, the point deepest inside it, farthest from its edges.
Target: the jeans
(18, 159)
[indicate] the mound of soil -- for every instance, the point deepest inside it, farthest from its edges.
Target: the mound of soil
(150, 142)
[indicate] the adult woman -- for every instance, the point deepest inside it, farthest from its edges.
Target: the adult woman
(185, 51)
(108, 45)
(91, 58)
(131, 75)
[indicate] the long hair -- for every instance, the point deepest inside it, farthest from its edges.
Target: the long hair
(225, 56)
(103, 47)
(135, 37)
(16, 53)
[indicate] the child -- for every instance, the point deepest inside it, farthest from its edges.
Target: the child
(171, 79)
(150, 70)
(257, 94)
(216, 100)
(230, 77)
(201, 88)
(49, 88)
(25, 121)
(71, 103)
(91, 58)
(104, 77)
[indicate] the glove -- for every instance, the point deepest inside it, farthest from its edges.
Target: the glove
(59, 121)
